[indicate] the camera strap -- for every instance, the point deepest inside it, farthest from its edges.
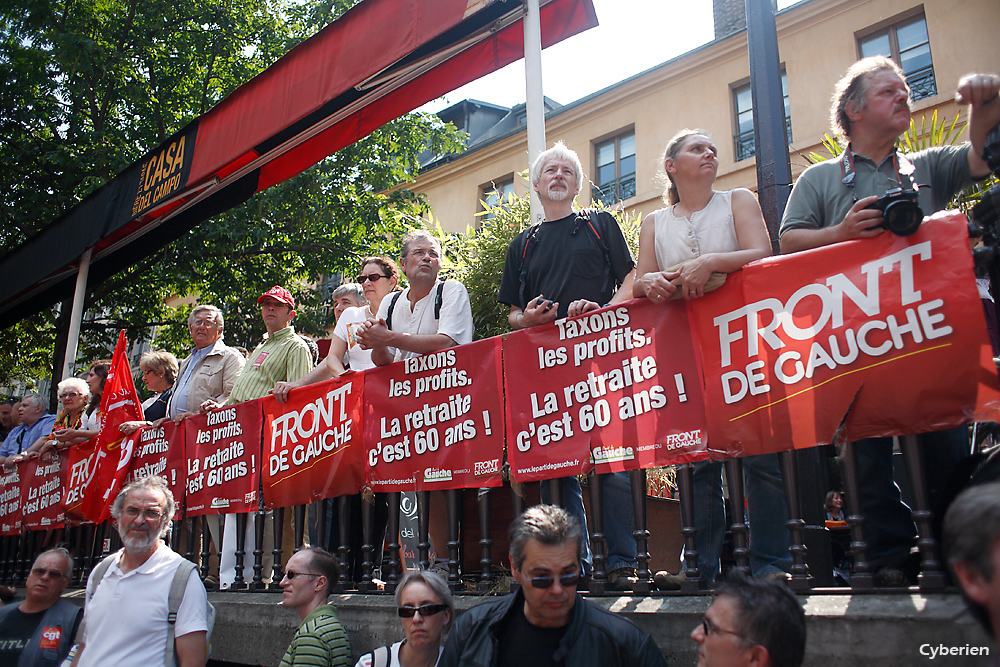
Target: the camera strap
(907, 169)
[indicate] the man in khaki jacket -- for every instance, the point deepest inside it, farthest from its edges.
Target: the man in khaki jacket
(212, 368)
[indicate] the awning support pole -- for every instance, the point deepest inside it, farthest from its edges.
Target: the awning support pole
(534, 101)
(76, 317)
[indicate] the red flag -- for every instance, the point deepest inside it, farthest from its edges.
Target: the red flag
(119, 404)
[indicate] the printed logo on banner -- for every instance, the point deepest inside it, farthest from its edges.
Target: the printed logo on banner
(605, 389)
(431, 418)
(10, 500)
(165, 171)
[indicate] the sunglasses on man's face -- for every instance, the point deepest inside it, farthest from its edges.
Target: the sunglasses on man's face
(424, 609)
(566, 581)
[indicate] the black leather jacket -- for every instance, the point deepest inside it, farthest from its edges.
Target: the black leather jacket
(594, 637)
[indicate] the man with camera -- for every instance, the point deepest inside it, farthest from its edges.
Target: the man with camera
(844, 199)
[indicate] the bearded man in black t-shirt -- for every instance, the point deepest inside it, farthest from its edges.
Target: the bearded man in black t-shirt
(569, 264)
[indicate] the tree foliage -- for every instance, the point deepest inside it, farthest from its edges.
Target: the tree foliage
(91, 85)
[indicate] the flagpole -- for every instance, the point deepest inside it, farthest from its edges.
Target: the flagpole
(76, 316)
(534, 101)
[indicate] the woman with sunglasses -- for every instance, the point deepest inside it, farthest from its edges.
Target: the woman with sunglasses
(379, 277)
(73, 394)
(424, 604)
(159, 370)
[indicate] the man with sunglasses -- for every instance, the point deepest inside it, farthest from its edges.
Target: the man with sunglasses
(320, 640)
(127, 618)
(40, 630)
(752, 623)
(546, 622)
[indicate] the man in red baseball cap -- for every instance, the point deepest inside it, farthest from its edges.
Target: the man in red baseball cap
(282, 357)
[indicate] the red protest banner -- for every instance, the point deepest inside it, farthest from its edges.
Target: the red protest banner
(617, 388)
(223, 459)
(882, 336)
(10, 499)
(147, 452)
(41, 491)
(119, 404)
(312, 443)
(434, 421)
(80, 479)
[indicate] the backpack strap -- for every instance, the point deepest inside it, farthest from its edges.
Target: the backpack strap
(592, 222)
(438, 300)
(392, 306)
(178, 585)
(95, 577)
(529, 243)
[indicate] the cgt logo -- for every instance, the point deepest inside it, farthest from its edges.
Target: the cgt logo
(50, 637)
(487, 467)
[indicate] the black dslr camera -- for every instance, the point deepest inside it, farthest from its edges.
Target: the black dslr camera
(900, 213)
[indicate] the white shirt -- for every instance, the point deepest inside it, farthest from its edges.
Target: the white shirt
(347, 330)
(126, 617)
(455, 321)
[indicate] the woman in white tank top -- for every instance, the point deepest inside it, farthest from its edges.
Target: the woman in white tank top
(708, 231)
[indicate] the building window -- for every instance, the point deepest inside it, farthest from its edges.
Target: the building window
(906, 43)
(495, 194)
(615, 161)
(743, 140)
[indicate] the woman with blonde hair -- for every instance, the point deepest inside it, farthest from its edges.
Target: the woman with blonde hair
(159, 371)
(685, 250)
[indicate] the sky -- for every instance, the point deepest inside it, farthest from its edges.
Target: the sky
(632, 36)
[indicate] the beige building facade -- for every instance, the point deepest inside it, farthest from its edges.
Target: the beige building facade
(621, 131)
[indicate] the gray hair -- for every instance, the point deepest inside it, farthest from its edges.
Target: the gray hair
(412, 236)
(155, 483)
(59, 551)
(216, 315)
(853, 88)
(353, 290)
(547, 524)
(36, 399)
(971, 529)
(433, 581)
(75, 383)
(768, 614)
(558, 151)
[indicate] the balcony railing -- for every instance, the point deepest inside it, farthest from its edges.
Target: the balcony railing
(743, 143)
(614, 191)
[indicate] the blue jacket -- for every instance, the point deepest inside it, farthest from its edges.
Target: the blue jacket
(63, 615)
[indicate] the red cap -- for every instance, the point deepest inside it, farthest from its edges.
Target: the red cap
(281, 294)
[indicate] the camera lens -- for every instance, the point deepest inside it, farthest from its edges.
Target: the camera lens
(902, 218)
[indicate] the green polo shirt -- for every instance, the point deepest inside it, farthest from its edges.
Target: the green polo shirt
(820, 198)
(320, 641)
(283, 357)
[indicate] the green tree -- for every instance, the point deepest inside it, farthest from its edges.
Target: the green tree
(91, 85)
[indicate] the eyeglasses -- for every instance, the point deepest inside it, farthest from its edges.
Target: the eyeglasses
(420, 253)
(711, 629)
(424, 609)
(291, 574)
(150, 515)
(373, 277)
(566, 581)
(51, 574)
(205, 324)
(70, 394)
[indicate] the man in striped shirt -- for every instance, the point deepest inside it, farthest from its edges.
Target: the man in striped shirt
(320, 640)
(282, 357)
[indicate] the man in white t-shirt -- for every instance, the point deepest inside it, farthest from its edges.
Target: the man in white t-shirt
(125, 613)
(426, 316)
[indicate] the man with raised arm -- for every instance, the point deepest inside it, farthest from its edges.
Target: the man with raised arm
(830, 203)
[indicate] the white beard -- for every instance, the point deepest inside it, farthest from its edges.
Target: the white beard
(558, 195)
